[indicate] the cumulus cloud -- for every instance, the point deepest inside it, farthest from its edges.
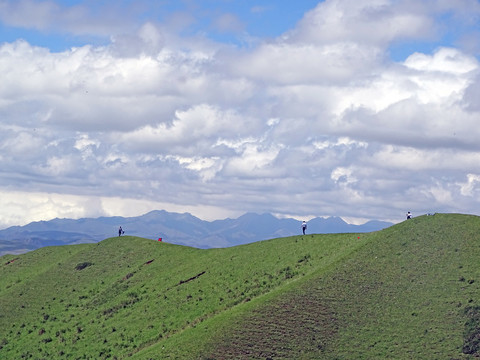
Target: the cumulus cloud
(445, 60)
(372, 23)
(317, 121)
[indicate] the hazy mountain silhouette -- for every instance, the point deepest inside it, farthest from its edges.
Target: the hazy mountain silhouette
(182, 229)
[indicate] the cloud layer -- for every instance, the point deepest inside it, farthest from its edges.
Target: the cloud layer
(319, 121)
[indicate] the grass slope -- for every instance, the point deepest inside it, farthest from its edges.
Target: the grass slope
(409, 291)
(116, 297)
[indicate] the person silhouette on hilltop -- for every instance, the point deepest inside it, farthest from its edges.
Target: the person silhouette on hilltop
(304, 227)
(409, 215)
(120, 231)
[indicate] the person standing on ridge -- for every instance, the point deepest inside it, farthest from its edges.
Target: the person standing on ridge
(304, 227)
(120, 231)
(409, 215)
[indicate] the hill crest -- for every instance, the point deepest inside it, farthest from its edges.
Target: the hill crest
(183, 229)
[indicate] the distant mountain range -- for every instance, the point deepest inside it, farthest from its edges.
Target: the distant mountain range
(183, 229)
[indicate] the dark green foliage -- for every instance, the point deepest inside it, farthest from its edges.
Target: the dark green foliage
(471, 343)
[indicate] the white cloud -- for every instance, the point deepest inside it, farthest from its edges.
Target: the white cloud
(23, 144)
(468, 188)
(343, 175)
(438, 194)
(319, 119)
(298, 63)
(206, 167)
(253, 161)
(196, 129)
(375, 23)
(21, 207)
(86, 146)
(446, 60)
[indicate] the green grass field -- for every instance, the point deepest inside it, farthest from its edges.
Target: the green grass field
(407, 292)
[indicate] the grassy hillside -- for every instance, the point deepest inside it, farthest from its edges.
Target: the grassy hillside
(409, 291)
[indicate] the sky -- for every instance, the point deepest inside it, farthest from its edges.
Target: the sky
(362, 109)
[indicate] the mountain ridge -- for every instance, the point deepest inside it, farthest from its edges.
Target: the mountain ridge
(177, 228)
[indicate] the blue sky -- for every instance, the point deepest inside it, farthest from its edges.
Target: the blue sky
(262, 19)
(363, 109)
(250, 19)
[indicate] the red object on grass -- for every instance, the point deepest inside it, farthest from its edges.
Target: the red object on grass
(159, 239)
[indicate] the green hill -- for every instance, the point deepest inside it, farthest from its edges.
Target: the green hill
(407, 292)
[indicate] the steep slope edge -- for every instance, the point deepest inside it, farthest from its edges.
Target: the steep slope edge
(410, 291)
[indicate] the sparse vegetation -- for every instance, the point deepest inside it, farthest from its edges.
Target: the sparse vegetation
(472, 331)
(83, 265)
(409, 291)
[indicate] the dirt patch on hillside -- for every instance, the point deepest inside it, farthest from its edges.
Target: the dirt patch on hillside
(83, 265)
(471, 343)
(299, 325)
(191, 279)
(11, 261)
